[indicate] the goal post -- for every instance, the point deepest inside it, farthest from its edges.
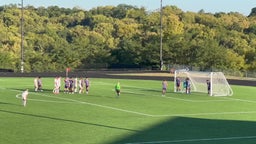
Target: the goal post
(219, 85)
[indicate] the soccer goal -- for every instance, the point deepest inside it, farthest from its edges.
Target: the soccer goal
(219, 85)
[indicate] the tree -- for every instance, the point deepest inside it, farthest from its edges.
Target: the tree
(59, 37)
(253, 12)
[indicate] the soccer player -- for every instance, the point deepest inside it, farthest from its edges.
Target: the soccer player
(57, 84)
(36, 84)
(66, 85)
(40, 84)
(24, 97)
(87, 85)
(188, 84)
(164, 87)
(75, 85)
(81, 85)
(208, 86)
(177, 84)
(118, 89)
(71, 85)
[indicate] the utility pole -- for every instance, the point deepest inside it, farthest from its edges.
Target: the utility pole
(22, 38)
(161, 36)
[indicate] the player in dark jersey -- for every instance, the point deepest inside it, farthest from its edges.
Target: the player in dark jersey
(208, 86)
(177, 84)
(188, 84)
(87, 85)
(71, 85)
(66, 85)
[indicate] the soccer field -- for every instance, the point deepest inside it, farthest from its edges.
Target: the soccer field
(140, 115)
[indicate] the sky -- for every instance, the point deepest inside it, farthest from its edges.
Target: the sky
(212, 6)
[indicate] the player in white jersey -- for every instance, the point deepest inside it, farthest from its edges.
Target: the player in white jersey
(24, 97)
(164, 87)
(81, 85)
(75, 85)
(36, 84)
(57, 85)
(40, 84)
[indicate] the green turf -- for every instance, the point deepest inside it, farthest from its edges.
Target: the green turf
(139, 115)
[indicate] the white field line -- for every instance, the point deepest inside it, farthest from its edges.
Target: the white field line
(196, 140)
(180, 99)
(242, 100)
(40, 100)
(196, 101)
(68, 100)
(98, 105)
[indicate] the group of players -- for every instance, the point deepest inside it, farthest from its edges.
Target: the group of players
(38, 84)
(186, 85)
(72, 85)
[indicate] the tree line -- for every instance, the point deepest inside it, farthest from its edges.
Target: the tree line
(125, 36)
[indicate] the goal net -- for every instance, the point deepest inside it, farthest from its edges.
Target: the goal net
(218, 84)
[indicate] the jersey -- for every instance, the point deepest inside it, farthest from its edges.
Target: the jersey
(117, 87)
(36, 82)
(87, 83)
(178, 82)
(164, 85)
(24, 95)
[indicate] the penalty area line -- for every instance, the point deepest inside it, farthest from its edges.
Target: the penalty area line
(196, 140)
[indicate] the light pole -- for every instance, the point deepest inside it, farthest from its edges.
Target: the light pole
(161, 36)
(22, 38)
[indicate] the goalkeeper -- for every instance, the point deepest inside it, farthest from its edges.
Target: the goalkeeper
(118, 89)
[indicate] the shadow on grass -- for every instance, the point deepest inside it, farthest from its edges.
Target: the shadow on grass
(142, 89)
(6, 103)
(32, 90)
(98, 95)
(65, 120)
(183, 130)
